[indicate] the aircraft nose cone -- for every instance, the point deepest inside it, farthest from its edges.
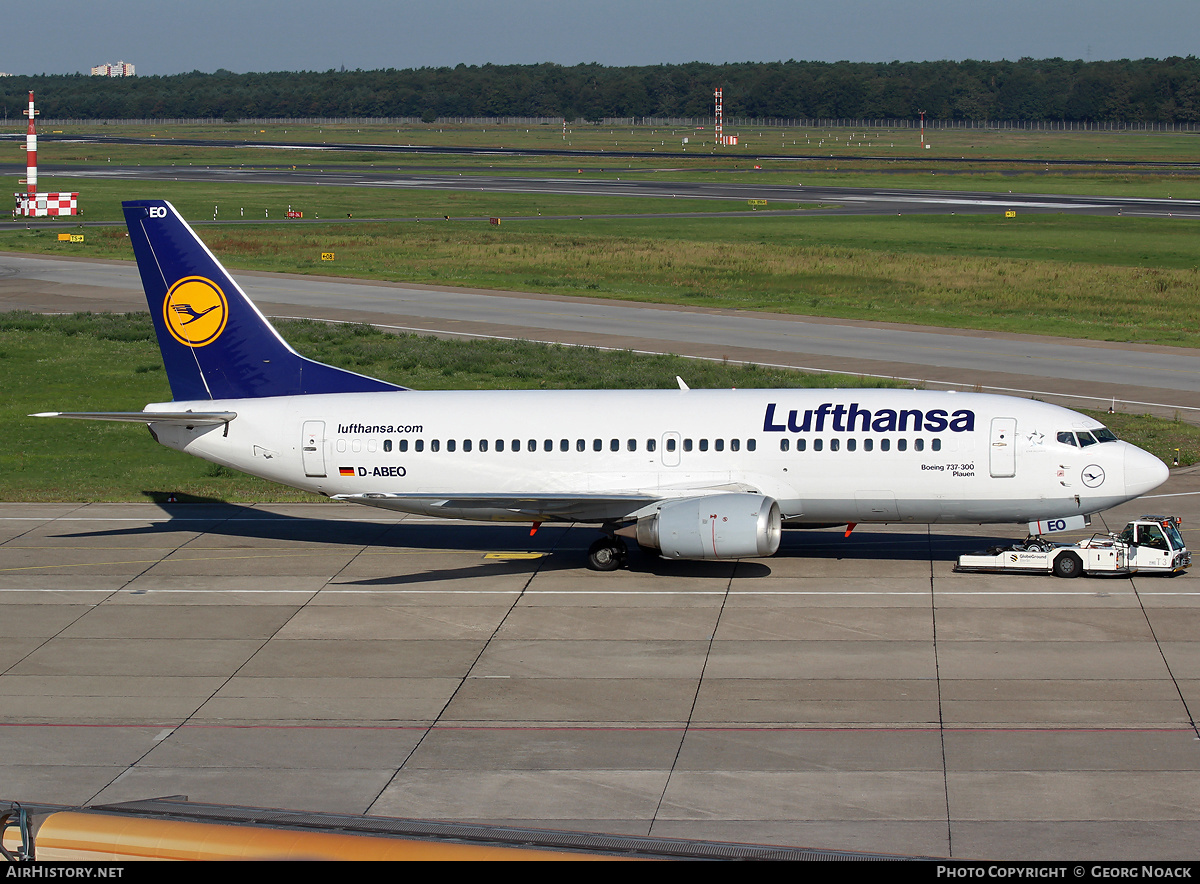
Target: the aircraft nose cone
(1143, 471)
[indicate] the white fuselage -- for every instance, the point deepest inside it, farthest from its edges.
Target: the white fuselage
(826, 456)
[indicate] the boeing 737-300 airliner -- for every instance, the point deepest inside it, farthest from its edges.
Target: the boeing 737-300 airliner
(694, 474)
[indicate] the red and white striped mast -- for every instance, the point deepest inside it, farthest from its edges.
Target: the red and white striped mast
(31, 151)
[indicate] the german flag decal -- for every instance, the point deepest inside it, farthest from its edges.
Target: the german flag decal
(345, 471)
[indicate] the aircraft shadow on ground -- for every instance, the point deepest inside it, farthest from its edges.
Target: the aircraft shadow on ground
(563, 548)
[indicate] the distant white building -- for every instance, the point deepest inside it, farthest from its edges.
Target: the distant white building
(120, 69)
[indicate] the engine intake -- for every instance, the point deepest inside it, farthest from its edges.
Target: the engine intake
(718, 526)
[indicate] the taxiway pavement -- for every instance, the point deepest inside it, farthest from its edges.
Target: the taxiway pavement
(846, 694)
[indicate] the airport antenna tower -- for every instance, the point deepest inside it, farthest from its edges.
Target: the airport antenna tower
(722, 139)
(716, 97)
(32, 204)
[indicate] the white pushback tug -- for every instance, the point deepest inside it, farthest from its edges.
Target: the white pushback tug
(1151, 544)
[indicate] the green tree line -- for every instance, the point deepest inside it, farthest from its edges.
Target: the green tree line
(1146, 90)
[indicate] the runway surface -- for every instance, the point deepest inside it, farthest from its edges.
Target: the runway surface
(1144, 378)
(845, 694)
(815, 199)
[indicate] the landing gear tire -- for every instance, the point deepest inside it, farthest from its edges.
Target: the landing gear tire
(1068, 565)
(607, 554)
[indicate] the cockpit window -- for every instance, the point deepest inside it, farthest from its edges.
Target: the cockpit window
(1067, 438)
(1086, 439)
(1104, 434)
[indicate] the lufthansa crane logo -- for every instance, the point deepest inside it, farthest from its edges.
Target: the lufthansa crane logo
(195, 311)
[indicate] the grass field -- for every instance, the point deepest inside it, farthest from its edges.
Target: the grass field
(958, 159)
(1098, 277)
(111, 363)
(1107, 278)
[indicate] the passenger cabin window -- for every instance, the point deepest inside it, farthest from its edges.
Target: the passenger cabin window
(419, 445)
(451, 445)
(719, 444)
(902, 445)
(818, 444)
(783, 444)
(670, 445)
(801, 444)
(580, 445)
(936, 444)
(735, 444)
(851, 444)
(434, 445)
(403, 446)
(387, 444)
(835, 444)
(597, 445)
(466, 444)
(651, 444)
(614, 444)
(751, 444)
(704, 445)
(868, 444)
(687, 444)
(564, 444)
(631, 444)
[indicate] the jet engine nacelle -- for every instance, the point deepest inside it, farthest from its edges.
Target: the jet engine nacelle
(719, 526)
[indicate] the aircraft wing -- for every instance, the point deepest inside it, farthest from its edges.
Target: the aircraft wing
(512, 507)
(191, 418)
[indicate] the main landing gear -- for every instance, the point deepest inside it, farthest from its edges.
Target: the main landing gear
(607, 554)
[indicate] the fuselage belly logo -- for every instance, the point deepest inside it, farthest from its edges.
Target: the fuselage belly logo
(195, 311)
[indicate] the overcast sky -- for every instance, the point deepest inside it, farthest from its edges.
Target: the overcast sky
(166, 37)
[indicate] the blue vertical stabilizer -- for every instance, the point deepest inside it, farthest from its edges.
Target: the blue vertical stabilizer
(214, 341)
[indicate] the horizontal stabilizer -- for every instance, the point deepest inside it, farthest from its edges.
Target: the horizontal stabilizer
(191, 418)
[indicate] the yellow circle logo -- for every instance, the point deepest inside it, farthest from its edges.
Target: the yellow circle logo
(195, 311)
